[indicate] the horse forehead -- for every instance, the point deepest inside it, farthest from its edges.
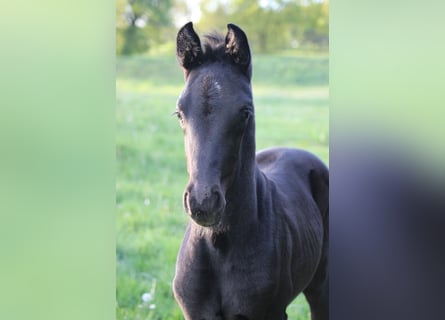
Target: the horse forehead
(213, 87)
(210, 85)
(207, 86)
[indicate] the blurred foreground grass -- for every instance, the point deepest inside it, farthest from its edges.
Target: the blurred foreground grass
(291, 103)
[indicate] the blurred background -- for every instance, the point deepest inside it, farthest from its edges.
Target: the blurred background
(150, 26)
(289, 43)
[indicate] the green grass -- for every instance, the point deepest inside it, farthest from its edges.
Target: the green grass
(291, 101)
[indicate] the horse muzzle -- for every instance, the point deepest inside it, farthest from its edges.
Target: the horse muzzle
(204, 205)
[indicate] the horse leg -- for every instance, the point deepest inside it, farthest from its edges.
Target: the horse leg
(281, 316)
(318, 303)
(317, 292)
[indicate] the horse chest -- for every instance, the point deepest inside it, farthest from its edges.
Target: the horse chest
(246, 287)
(251, 273)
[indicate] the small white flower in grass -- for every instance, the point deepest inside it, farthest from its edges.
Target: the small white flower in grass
(146, 297)
(140, 23)
(147, 202)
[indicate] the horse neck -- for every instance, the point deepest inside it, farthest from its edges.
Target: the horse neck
(241, 196)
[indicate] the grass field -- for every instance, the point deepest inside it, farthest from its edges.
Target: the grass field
(291, 103)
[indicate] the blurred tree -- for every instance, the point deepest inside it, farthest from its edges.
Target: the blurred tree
(214, 15)
(316, 23)
(258, 22)
(262, 23)
(272, 25)
(140, 24)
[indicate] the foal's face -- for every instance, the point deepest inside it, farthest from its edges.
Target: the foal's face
(214, 111)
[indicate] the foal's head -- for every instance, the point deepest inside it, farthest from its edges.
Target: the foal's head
(215, 111)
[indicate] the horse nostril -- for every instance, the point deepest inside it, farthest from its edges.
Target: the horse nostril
(218, 199)
(186, 200)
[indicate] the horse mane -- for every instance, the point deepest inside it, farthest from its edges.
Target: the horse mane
(214, 46)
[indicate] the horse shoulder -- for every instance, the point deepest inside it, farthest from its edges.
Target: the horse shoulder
(298, 188)
(288, 160)
(297, 172)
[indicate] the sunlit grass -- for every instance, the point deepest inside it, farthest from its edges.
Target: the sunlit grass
(151, 172)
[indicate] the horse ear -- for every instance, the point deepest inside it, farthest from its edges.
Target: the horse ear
(237, 47)
(188, 47)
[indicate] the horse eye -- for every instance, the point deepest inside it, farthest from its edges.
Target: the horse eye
(177, 114)
(246, 112)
